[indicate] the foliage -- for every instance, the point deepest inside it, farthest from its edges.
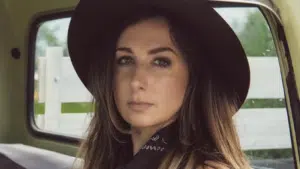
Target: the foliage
(256, 37)
(46, 37)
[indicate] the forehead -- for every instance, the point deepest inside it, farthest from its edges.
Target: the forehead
(153, 31)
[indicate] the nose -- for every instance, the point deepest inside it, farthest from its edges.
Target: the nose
(139, 78)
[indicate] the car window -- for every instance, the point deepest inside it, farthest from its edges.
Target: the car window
(62, 104)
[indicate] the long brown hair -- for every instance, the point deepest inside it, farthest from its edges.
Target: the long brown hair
(206, 128)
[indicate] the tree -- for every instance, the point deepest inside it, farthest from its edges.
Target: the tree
(256, 37)
(46, 37)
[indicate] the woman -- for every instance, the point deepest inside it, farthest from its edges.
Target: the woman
(166, 76)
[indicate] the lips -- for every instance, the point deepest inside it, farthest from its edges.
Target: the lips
(139, 106)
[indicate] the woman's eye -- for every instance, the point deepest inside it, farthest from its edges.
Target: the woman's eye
(162, 62)
(124, 60)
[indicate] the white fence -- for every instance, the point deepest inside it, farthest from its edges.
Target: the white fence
(257, 128)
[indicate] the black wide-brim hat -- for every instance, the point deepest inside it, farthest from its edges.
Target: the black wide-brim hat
(94, 21)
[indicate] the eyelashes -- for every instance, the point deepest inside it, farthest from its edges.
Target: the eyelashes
(160, 61)
(125, 60)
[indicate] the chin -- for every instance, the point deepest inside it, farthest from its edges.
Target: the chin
(142, 123)
(144, 119)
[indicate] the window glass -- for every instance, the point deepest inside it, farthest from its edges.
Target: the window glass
(63, 105)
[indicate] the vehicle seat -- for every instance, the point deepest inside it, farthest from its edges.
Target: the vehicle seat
(19, 156)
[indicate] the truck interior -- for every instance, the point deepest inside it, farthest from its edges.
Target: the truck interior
(45, 109)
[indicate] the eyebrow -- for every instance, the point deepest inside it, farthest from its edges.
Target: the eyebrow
(151, 52)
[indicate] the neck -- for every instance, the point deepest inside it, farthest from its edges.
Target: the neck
(140, 135)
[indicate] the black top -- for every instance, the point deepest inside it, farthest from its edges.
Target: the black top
(7, 163)
(151, 154)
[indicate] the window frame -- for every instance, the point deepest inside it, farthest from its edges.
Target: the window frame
(288, 79)
(31, 125)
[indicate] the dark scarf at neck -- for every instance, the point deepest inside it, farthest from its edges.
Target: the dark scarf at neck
(152, 153)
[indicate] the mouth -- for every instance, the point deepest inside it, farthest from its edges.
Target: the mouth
(139, 106)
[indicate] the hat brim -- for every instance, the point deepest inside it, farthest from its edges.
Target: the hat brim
(93, 20)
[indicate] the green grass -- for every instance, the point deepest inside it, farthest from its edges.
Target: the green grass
(269, 154)
(85, 107)
(264, 103)
(39, 108)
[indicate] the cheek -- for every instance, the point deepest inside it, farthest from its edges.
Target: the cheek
(170, 92)
(119, 88)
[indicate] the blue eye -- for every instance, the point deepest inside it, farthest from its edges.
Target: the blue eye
(125, 60)
(162, 62)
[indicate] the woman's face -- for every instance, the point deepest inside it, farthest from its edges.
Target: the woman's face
(151, 75)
